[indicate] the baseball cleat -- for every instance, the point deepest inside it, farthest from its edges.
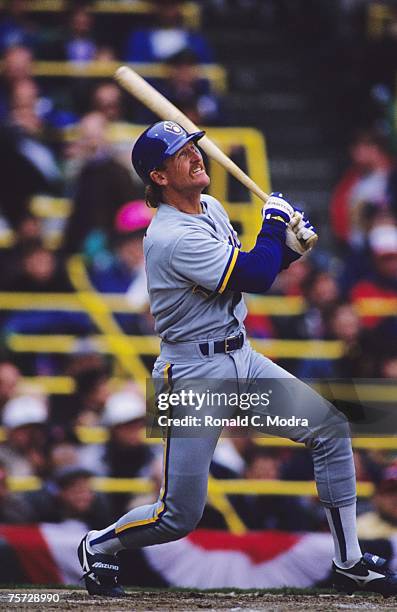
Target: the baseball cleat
(369, 574)
(100, 572)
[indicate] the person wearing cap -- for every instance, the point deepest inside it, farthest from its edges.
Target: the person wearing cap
(24, 451)
(381, 279)
(125, 455)
(381, 522)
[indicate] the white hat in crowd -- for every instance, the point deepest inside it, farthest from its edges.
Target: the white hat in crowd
(383, 239)
(123, 407)
(24, 410)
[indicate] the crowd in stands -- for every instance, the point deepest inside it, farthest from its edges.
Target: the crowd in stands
(42, 432)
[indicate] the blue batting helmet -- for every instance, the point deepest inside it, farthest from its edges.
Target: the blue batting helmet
(156, 144)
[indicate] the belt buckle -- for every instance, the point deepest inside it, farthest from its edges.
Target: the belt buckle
(229, 339)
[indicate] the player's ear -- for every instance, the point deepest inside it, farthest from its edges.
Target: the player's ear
(159, 177)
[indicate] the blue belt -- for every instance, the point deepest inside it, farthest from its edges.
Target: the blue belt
(232, 343)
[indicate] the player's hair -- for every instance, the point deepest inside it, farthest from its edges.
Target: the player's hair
(153, 195)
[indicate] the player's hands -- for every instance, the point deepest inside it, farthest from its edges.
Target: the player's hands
(301, 235)
(277, 208)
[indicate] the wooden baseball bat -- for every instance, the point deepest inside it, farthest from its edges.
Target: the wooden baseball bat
(158, 104)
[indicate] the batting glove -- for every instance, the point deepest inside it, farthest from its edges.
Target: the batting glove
(278, 208)
(301, 235)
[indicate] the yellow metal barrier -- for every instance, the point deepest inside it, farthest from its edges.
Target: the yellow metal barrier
(150, 345)
(215, 487)
(191, 10)
(116, 341)
(272, 305)
(214, 73)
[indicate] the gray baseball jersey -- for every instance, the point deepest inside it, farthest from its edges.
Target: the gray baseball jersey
(189, 259)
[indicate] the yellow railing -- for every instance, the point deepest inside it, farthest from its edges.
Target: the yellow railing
(216, 487)
(215, 73)
(191, 10)
(276, 305)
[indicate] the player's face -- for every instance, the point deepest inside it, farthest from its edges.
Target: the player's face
(185, 170)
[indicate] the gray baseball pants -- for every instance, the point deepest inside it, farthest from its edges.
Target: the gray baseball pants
(187, 459)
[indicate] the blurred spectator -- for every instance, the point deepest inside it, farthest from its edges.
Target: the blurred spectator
(85, 406)
(102, 186)
(17, 66)
(78, 41)
(124, 271)
(28, 163)
(167, 37)
(364, 190)
(191, 93)
(10, 377)
(321, 293)
(359, 349)
(16, 28)
(381, 522)
(381, 279)
(271, 511)
(125, 455)
(25, 451)
(388, 367)
(229, 457)
(69, 495)
(13, 507)
(107, 99)
(41, 271)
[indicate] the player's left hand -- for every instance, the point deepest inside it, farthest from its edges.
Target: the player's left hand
(301, 235)
(278, 208)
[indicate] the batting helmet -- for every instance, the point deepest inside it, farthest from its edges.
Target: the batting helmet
(157, 143)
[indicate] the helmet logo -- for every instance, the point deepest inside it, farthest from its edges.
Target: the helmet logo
(172, 127)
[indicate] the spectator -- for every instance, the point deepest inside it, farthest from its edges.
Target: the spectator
(15, 28)
(381, 279)
(188, 91)
(41, 271)
(102, 186)
(25, 451)
(322, 293)
(166, 37)
(271, 511)
(363, 191)
(85, 406)
(78, 42)
(10, 378)
(28, 164)
(125, 455)
(124, 272)
(13, 507)
(107, 99)
(359, 350)
(69, 494)
(381, 522)
(17, 66)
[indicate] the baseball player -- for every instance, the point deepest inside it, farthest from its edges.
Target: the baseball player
(196, 274)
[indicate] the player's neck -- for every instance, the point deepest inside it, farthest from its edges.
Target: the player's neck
(187, 203)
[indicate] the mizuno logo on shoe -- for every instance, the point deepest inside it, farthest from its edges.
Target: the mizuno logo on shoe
(361, 579)
(105, 566)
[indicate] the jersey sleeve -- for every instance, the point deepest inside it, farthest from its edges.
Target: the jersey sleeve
(203, 260)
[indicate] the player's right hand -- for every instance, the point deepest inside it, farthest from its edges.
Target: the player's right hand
(301, 235)
(277, 207)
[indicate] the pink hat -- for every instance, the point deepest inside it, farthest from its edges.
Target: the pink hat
(132, 217)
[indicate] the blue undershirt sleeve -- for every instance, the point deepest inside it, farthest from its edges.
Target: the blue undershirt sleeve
(255, 271)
